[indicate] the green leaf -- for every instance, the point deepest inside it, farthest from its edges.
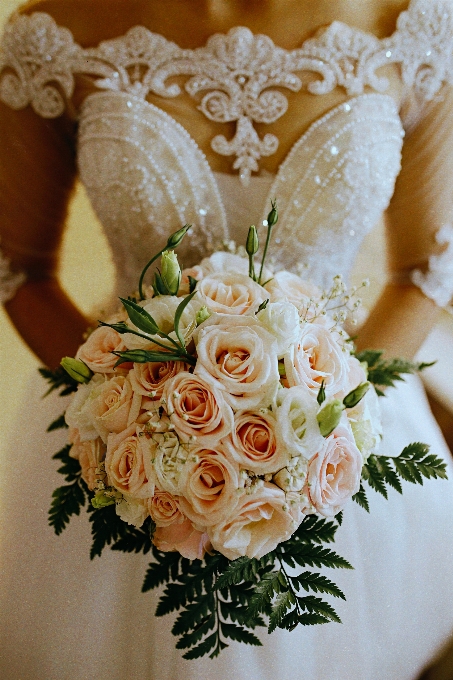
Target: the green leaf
(309, 555)
(194, 614)
(316, 530)
(240, 634)
(141, 356)
(315, 605)
(269, 586)
(361, 499)
(57, 424)
(318, 583)
(106, 528)
(203, 648)
(283, 603)
(192, 638)
(386, 373)
(179, 312)
(140, 317)
(67, 501)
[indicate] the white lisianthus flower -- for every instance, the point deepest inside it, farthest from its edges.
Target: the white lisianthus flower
(366, 425)
(132, 510)
(163, 309)
(282, 320)
(79, 413)
(297, 426)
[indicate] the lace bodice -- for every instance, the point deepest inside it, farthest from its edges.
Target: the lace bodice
(145, 175)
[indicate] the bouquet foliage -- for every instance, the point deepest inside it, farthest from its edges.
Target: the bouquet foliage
(221, 421)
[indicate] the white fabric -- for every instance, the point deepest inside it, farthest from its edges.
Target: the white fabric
(68, 619)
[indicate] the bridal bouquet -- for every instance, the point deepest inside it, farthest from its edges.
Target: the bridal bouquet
(222, 421)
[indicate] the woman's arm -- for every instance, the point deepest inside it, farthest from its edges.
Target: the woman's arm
(37, 174)
(421, 205)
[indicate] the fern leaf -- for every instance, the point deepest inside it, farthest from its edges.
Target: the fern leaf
(318, 583)
(57, 424)
(317, 556)
(240, 634)
(283, 603)
(361, 498)
(315, 605)
(67, 501)
(203, 648)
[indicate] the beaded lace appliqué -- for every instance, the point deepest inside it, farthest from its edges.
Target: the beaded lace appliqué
(437, 282)
(234, 77)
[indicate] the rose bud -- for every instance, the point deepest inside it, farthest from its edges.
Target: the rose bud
(354, 397)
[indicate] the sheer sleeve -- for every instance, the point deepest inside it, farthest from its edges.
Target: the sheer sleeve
(420, 216)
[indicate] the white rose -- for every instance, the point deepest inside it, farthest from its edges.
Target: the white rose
(79, 413)
(317, 358)
(283, 321)
(297, 426)
(169, 459)
(238, 355)
(230, 293)
(257, 525)
(224, 262)
(132, 510)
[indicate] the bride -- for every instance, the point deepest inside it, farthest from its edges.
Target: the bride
(170, 114)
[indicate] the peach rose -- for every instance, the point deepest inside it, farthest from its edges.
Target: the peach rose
(257, 525)
(209, 484)
(316, 358)
(149, 379)
(253, 443)
(197, 409)
(89, 454)
(114, 406)
(291, 288)
(96, 352)
(334, 472)
(163, 509)
(230, 293)
(128, 463)
(238, 355)
(184, 538)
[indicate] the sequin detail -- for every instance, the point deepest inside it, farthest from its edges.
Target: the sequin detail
(437, 282)
(234, 76)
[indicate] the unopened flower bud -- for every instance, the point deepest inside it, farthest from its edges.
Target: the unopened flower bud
(272, 218)
(329, 416)
(101, 500)
(76, 369)
(202, 315)
(353, 398)
(252, 244)
(171, 272)
(176, 238)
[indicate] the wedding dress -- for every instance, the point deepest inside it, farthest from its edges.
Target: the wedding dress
(65, 617)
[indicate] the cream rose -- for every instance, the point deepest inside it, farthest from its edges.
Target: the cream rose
(96, 352)
(291, 288)
(169, 459)
(195, 273)
(89, 454)
(184, 538)
(197, 409)
(317, 358)
(257, 525)
(239, 356)
(224, 262)
(128, 463)
(149, 379)
(230, 293)
(114, 406)
(334, 472)
(297, 426)
(209, 484)
(253, 443)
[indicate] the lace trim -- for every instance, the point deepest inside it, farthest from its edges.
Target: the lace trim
(9, 281)
(437, 282)
(234, 76)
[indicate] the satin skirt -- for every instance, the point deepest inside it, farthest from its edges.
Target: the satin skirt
(64, 617)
